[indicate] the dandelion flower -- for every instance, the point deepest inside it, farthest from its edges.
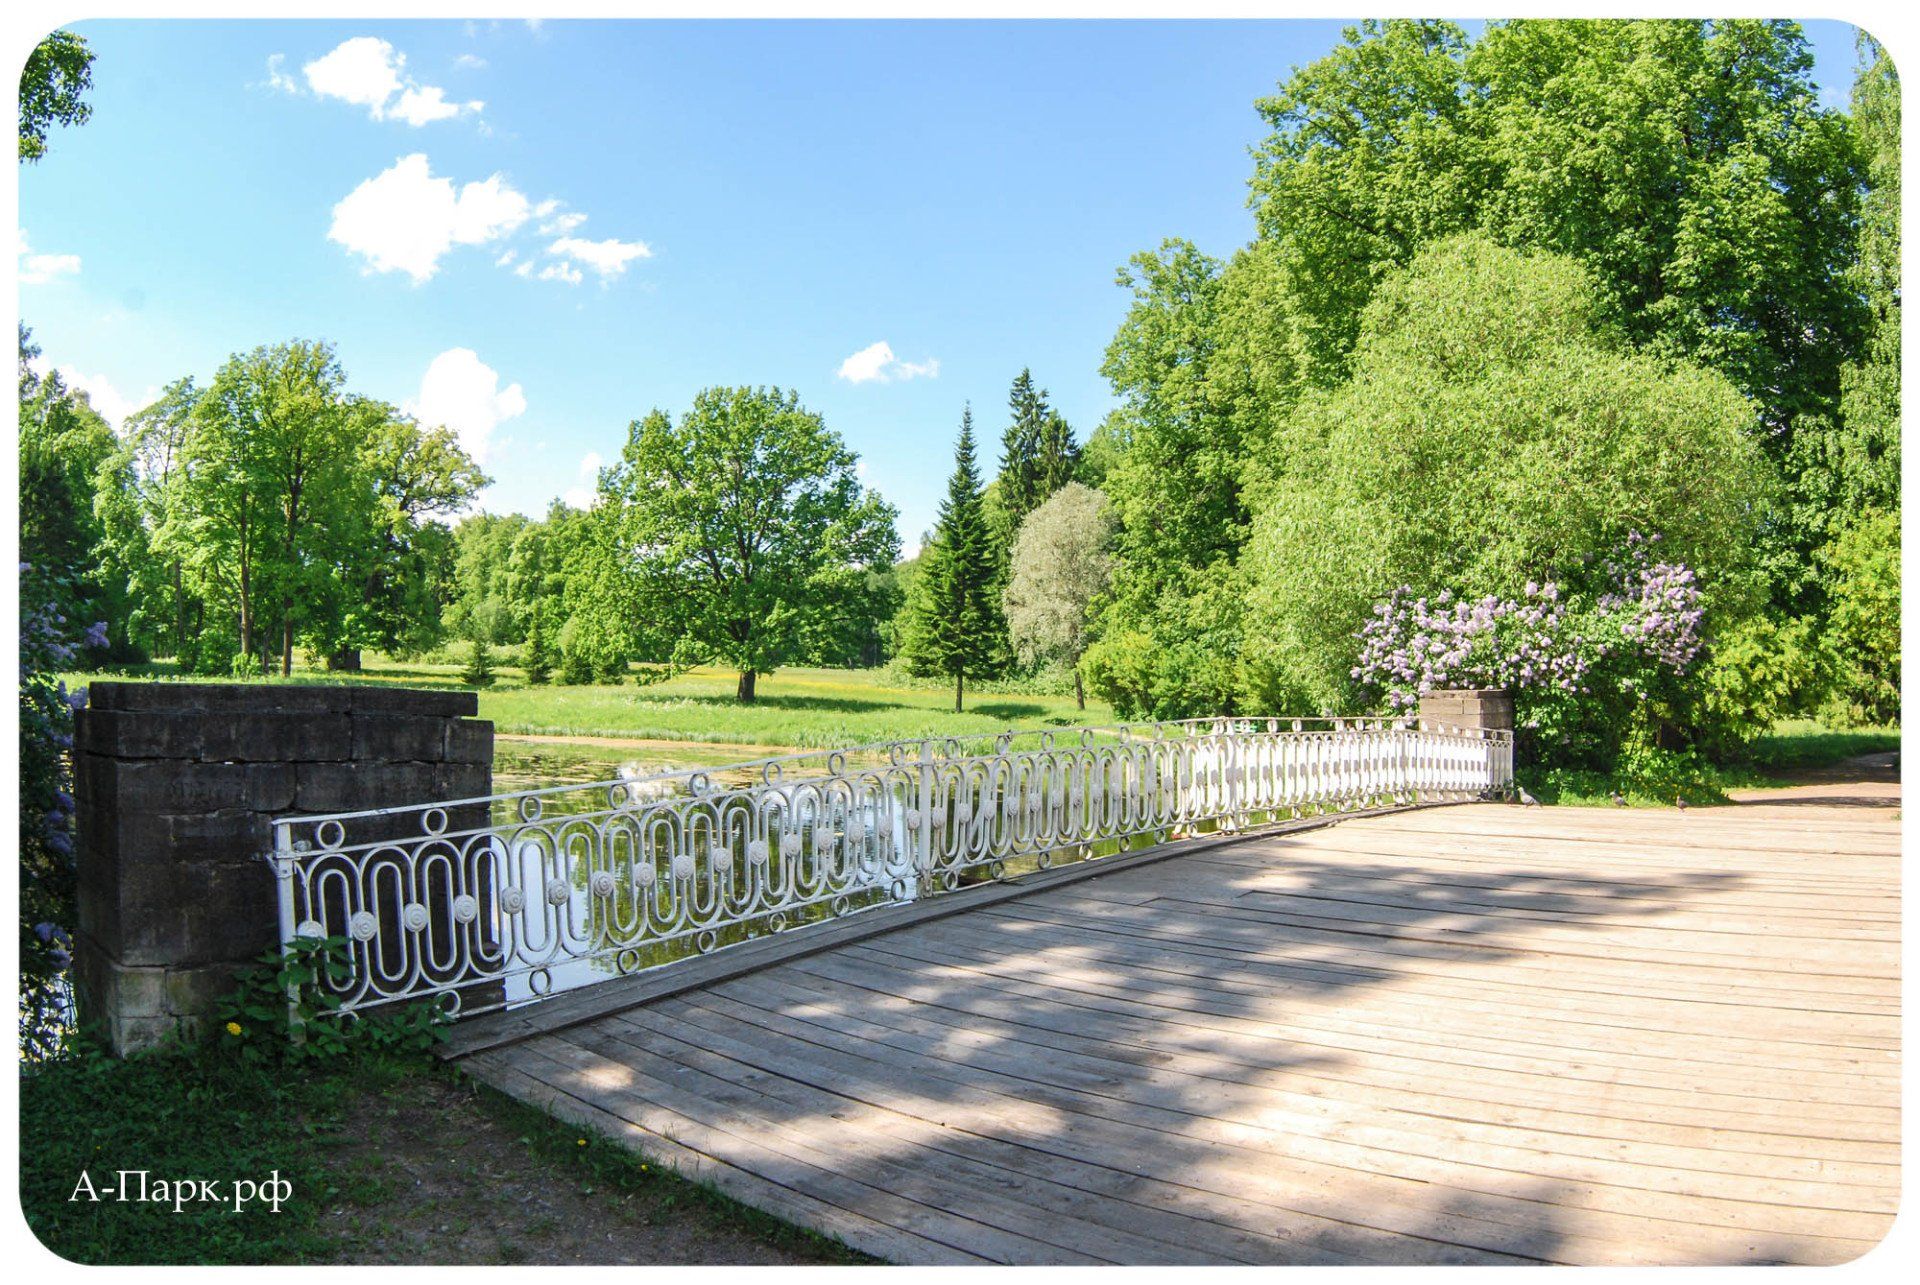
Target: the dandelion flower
(234, 1028)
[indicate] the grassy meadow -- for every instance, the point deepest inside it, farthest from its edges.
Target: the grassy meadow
(797, 708)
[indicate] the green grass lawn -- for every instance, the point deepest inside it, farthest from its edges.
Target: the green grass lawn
(806, 708)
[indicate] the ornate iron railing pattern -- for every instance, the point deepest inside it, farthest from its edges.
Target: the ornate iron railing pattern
(482, 903)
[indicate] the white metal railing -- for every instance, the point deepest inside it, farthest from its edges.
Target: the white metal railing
(487, 902)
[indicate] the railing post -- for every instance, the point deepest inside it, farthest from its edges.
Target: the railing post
(283, 870)
(923, 830)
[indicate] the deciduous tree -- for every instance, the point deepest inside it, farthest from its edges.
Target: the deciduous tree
(58, 72)
(727, 524)
(1062, 562)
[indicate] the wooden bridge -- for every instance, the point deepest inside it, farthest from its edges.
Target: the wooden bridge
(1480, 1033)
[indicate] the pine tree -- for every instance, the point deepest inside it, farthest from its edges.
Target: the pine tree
(539, 655)
(1059, 456)
(1038, 457)
(955, 628)
(479, 670)
(1020, 480)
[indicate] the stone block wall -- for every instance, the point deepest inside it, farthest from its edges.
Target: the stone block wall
(1483, 707)
(175, 785)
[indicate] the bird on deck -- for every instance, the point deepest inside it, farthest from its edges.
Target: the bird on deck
(1680, 802)
(1526, 800)
(1619, 799)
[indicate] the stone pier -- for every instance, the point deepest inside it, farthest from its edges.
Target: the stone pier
(174, 788)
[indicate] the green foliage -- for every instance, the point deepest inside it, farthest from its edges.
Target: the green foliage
(66, 453)
(538, 661)
(285, 1010)
(1869, 471)
(1493, 431)
(955, 628)
(1759, 671)
(1687, 164)
(1184, 659)
(479, 670)
(719, 533)
(482, 576)
(277, 507)
(58, 72)
(1038, 457)
(853, 625)
(1864, 564)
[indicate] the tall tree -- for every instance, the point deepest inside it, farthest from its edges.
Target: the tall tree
(1059, 456)
(64, 447)
(1062, 562)
(1494, 431)
(131, 501)
(1038, 456)
(955, 628)
(272, 491)
(728, 524)
(1855, 464)
(58, 72)
(419, 475)
(1689, 164)
(1019, 482)
(482, 573)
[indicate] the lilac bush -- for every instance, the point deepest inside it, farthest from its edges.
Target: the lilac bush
(1581, 660)
(46, 812)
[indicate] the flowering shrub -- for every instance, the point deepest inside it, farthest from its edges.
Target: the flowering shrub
(1588, 666)
(46, 812)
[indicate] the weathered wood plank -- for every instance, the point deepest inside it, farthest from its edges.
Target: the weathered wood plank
(1482, 1034)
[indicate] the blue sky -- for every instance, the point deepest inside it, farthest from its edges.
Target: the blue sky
(763, 203)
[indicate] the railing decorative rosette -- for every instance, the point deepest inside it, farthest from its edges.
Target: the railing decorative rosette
(488, 902)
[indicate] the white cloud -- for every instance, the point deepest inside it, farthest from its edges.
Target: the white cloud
(876, 364)
(463, 393)
(368, 72)
(38, 269)
(583, 495)
(420, 104)
(555, 222)
(404, 219)
(609, 258)
(470, 62)
(114, 407)
(363, 71)
(561, 272)
(277, 77)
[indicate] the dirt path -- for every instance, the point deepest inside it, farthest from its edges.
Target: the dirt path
(434, 1171)
(1869, 781)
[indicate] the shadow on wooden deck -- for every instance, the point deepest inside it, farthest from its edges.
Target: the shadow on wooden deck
(1484, 1034)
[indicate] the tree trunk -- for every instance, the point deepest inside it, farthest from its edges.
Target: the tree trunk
(286, 640)
(959, 691)
(1079, 688)
(179, 612)
(744, 692)
(246, 613)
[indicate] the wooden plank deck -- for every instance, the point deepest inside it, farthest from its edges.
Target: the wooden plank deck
(1464, 1035)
